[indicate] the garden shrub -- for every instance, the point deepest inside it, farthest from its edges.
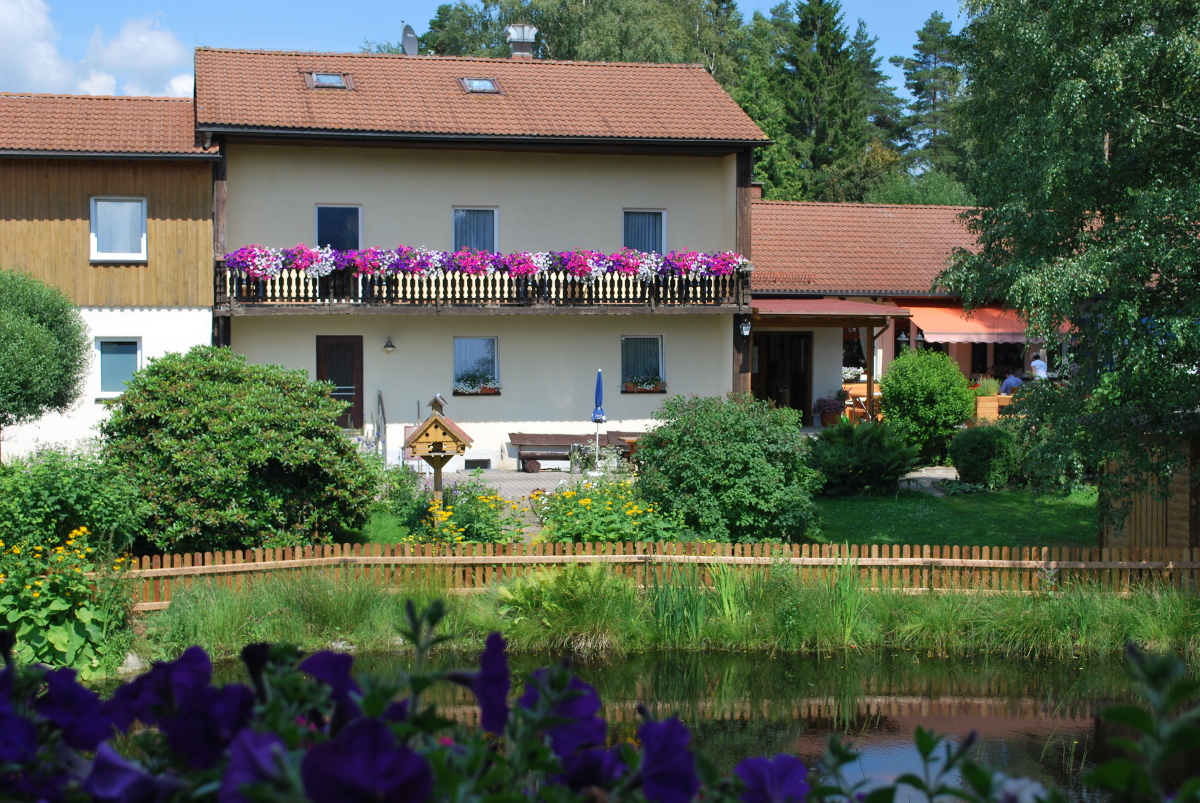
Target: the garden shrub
(231, 455)
(926, 398)
(44, 349)
(51, 493)
(868, 458)
(735, 469)
(471, 511)
(60, 616)
(402, 496)
(985, 455)
(602, 510)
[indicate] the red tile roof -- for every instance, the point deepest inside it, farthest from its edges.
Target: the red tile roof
(97, 124)
(421, 96)
(841, 249)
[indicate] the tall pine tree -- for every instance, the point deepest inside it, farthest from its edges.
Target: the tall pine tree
(934, 78)
(822, 91)
(884, 107)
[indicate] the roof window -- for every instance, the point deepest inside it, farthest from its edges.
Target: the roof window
(329, 80)
(481, 86)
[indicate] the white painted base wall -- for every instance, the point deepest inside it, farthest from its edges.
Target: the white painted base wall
(547, 366)
(158, 330)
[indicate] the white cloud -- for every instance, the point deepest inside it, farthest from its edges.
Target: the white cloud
(97, 83)
(144, 58)
(29, 57)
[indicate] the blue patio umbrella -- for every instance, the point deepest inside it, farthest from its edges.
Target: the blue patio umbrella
(598, 417)
(598, 413)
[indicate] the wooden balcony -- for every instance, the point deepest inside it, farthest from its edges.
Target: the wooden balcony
(297, 293)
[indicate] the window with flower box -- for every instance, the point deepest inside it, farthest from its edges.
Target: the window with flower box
(642, 364)
(476, 370)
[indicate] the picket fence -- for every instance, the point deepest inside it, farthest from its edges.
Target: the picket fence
(466, 568)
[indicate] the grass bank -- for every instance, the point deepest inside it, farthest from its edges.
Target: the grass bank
(587, 610)
(999, 518)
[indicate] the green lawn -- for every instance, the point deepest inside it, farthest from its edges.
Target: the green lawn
(1001, 518)
(381, 528)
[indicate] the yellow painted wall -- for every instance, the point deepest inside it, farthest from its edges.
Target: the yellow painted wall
(546, 201)
(547, 365)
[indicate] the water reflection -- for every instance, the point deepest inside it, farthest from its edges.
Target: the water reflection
(1033, 719)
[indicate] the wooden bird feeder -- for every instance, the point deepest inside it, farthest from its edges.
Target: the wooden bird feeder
(437, 441)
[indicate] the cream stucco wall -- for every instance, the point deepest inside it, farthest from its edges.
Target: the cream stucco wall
(158, 331)
(547, 366)
(545, 201)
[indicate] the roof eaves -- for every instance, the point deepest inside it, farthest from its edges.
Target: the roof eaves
(140, 155)
(810, 291)
(319, 133)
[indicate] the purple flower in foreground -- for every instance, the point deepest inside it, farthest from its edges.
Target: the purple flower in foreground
(115, 780)
(153, 696)
(595, 767)
(74, 709)
(207, 722)
(578, 726)
(492, 685)
(783, 779)
(333, 669)
(253, 759)
(668, 766)
(364, 763)
(18, 738)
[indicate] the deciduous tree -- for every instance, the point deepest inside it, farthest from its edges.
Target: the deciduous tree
(1086, 121)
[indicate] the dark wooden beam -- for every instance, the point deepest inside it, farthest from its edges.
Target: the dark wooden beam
(745, 177)
(741, 356)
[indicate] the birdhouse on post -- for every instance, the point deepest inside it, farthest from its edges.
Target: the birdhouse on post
(437, 441)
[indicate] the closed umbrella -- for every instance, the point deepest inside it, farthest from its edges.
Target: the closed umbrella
(598, 417)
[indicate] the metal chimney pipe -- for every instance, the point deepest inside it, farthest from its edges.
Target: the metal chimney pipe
(520, 38)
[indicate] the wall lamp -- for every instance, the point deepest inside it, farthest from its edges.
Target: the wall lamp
(389, 346)
(745, 326)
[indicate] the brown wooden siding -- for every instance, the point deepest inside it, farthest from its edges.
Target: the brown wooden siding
(44, 210)
(1153, 523)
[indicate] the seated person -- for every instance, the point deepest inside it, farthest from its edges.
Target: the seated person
(1011, 382)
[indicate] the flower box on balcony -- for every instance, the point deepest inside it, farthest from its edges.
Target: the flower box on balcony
(644, 387)
(480, 392)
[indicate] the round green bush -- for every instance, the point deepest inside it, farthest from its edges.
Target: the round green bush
(734, 468)
(985, 455)
(231, 455)
(868, 458)
(926, 398)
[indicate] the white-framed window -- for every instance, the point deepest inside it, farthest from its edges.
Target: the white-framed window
(642, 364)
(117, 358)
(646, 230)
(339, 226)
(118, 229)
(476, 365)
(477, 228)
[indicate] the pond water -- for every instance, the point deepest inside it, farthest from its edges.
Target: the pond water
(1037, 720)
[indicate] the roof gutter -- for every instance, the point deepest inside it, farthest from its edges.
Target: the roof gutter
(159, 157)
(479, 138)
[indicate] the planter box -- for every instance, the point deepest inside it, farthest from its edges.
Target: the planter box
(480, 392)
(830, 419)
(987, 408)
(628, 387)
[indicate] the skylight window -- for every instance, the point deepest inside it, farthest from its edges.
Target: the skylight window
(483, 86)
(329, 80)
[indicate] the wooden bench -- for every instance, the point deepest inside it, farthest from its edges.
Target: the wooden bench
(535, 447)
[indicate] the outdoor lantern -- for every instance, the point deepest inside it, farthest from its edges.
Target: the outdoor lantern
(902, 339)
(920, 337)
(746, 328)
(389, 346)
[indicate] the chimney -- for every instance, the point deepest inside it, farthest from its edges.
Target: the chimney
(520, 39)
(756, 188)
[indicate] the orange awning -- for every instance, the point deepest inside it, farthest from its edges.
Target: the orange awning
(986, 325)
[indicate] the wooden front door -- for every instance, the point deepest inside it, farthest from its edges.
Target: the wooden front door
(782, 365)
(340, 361)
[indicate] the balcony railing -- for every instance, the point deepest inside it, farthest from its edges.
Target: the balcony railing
(293, 288)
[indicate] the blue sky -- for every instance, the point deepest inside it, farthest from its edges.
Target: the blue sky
(144, 46)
